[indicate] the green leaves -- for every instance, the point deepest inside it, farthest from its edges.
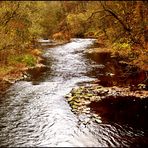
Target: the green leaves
(27, 59)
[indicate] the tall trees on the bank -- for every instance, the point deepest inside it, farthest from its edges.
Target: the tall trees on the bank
(127, 21)
(115, 20)
(20, 23)
(120, 23)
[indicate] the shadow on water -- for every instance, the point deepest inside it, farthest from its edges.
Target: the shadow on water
(113, 73)
(40, 74)
(126, 111)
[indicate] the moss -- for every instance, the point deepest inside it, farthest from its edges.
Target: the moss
(27, 59)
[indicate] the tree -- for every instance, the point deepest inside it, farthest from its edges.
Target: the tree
(20, 23)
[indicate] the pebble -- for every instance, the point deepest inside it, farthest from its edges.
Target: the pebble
(80, 98)
(98, 120)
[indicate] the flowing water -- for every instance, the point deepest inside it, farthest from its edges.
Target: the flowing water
(35, 113)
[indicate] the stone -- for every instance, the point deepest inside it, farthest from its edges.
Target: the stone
(68, 95)
(98, 120)
(25, 76)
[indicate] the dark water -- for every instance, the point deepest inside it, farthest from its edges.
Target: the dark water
(35, 113)
(124, 110)
(114, 73)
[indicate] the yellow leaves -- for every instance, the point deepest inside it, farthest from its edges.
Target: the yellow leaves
(71, 18)
(122, 48)
(61, 36)
(36, 52)
(19, 22)
(81, 16)
(76, 18)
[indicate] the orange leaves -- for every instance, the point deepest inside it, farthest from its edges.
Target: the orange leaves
(17, 24)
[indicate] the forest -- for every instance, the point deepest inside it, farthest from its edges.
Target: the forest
(121, 26)
(93, 54)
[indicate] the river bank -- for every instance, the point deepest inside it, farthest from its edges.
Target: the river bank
(20, 71)
(124, 70)
(118, 95)
(17, 73)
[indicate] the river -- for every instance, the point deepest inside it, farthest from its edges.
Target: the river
(35, 113)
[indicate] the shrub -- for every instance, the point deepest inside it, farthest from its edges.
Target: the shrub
(26, 59)
(122, 48)
(29, 60)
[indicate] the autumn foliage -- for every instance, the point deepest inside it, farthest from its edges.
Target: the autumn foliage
(120, 25)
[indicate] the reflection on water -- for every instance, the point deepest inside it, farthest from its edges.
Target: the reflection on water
(123, 110)
(117, 74)
(35, 113)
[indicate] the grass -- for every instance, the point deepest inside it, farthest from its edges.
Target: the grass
(27, 59)
(16, 62)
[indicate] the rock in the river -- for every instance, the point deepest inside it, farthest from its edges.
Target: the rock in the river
(81, 97)
(98, 120)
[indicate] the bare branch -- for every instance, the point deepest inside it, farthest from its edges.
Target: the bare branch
(116, 17)
(94, 13)
(119, 36)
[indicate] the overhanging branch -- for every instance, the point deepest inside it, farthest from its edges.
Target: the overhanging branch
(11, 16)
